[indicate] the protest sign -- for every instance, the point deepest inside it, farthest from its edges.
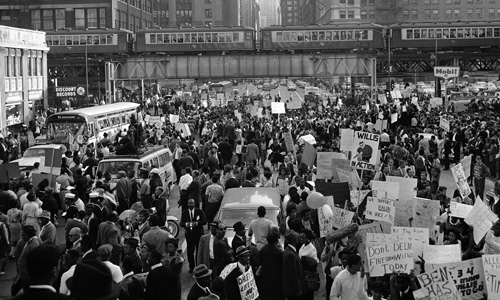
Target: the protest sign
(146, 118)
(278, 107)
(339, 191)
(389, 258)
(441, 254)
(468, 277)
(324, 164)
(341, 217)
(438, 285)
(404, 212)
(309, 155)
(358, 196)
(343, 164)
(394, 118)
(461, 180)
(443, 123)
(492, 278)
(174, 118)
(294, 104)
(9, 171)
(324, 222)
(385, 189)
(491, 261)
(466, 165)
(183, 128)
(379, 209)
(459, 210)
(436, 102)
(38, 177)
(350, 177)
(377, 239)
(346, 139)
(247, 286)
(289, 141)
(380, 125)
(421, 234)
(481, 218)
(363, 230)
(425, 212)
(364, 150)
(407, 187)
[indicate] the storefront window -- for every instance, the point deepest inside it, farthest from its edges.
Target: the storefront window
(14, 114)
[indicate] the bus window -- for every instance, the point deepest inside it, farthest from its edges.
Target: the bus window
(146, 165)
(124, 118)
(113, 167)
(155, 162)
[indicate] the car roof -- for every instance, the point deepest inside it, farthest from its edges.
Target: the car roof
(47, 146)
(251, 197)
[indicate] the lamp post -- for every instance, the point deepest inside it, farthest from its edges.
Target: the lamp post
(86, 72)
(387, 32)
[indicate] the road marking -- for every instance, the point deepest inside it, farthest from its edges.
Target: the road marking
(300, 98)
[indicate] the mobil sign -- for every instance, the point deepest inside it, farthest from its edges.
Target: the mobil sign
(446, 72)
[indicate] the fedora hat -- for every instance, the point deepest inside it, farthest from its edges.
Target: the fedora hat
(201, 271)
(241, 250)
(93, 280)
(45, 214)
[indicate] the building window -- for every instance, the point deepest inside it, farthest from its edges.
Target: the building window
(414, 2)
(92, 17)
(363, 2)
(406, 2)
(48, 19)
(371, 2)
(102, 18)
(371, 14)
(448, 14)
(414, 14)
(60, 18)
(456, 1)
(427, 14)
(35, 19)
(479, 1)
(491, 12)
(406, 14)
(427, 2)
(457, 14)
(79, 18)
(435, 13)
(447, 1)
(435, 1)
(479, 13)
(364, 14)
(350, 14)
(470, 14)
(208, 13)
(342, 2)
(342, 14)
(208, 1)
(470, 1)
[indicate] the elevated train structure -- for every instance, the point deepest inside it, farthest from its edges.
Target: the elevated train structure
(413, 47)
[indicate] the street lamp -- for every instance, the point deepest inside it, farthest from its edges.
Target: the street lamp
(387, 32)
(87, 70)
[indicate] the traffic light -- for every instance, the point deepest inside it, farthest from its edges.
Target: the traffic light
(388, 86)
(393, 85)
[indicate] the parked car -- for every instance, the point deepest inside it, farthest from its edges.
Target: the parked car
(240, 204)
(292, 87)
(36, 154)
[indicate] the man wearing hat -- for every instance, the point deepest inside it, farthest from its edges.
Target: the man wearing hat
(202, 274)
(92, 280)
(123, 191)
(50, 204)
(239, 236)
(231, 281)
(205, 253)
(130, 249)
(141, 225)
(48, 230)
(222, 252)
(28, 234)
(192, 219)
(154, 180)
(293, 275)
(335, 270)
(90, 219)
(162, 282)
(71, 210)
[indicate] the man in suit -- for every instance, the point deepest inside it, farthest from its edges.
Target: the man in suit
(222, 252)
(43, 273)
(205, 254)
(231, 282)
(252, 152)
(156, 236)
(200, 289)
(293, 275)
(87, 248)
(192, 219)
(239, 237)
(162, 282)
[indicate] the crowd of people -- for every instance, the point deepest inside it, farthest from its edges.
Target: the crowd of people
(104, 256)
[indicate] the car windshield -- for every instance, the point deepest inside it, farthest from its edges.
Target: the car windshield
(113, 167)
(229, 217)
(32, 152)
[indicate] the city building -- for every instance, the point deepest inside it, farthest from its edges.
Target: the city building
(92, 14)
(189, 13)
(270, 13)
(346, 11)
(398, 11)
(23, 79)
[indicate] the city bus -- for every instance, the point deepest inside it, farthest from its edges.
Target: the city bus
(79, 128)
(311, 90)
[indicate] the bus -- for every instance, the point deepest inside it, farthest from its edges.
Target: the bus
(222, 86)
(311, 90)
(79, 128)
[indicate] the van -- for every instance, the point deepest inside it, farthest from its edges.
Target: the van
(158, 157)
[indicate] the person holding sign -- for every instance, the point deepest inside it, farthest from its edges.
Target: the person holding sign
(348, 285)
(232, 280)
(492, 240)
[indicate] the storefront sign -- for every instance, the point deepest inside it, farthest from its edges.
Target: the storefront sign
(14, 96)
(446, 72)
(35, 95)
(14, 114)
(66, 91)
